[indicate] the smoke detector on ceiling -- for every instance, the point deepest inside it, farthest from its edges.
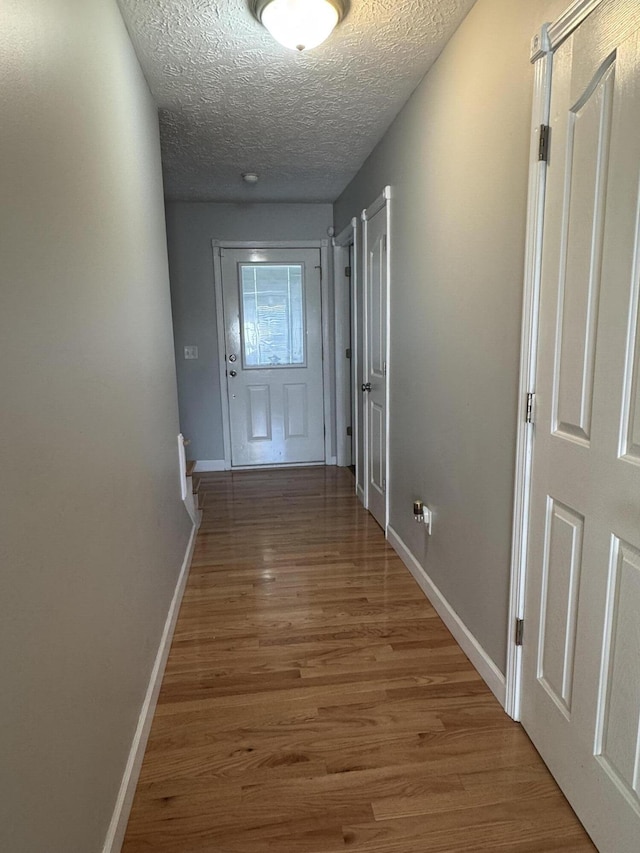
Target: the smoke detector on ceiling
(250, 177)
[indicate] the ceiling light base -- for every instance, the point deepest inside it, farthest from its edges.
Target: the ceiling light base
(299, 24)
(257, 8)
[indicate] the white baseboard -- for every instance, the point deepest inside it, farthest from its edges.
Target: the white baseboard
(360, 493)
(124, 801)
(203, 465)
(468, 643)
(207, 465)
(331, 460)
(195, 514)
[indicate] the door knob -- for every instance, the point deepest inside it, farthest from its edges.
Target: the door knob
(366, 386)
(233, 373)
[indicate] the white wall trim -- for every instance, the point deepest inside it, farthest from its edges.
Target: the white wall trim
(365, 367)
(570, 20)
(343, 286)
(124, 800)
(281, 465)
(377, 205)
(360, 494)
(182, 462)
(355, 345)
(271, 244)
(222, 354)
(342, 341)
(387, 503)
(345, 237)
(540, 44)
(528, 356)
(203, 465)
(494, 679)
(329, 426)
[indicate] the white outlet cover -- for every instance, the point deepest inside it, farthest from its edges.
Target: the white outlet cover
(191, 352)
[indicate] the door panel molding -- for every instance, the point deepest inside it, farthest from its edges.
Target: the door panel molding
(617, 746)
(322, 245)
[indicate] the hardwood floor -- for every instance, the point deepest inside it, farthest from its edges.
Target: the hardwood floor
(314, 702)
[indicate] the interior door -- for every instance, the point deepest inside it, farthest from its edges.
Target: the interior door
(273, 343)
(374, 387)
(352, 365)
(581, 653)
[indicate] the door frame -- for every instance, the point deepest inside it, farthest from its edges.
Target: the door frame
(323, 247)
(382, 202)
(543, 46)
(346, 335)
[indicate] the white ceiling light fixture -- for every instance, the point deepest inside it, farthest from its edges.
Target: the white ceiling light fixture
(300, 24)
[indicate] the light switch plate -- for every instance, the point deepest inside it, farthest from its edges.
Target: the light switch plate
(191, 352)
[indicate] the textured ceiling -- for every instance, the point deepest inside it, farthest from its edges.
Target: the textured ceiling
(232, 100)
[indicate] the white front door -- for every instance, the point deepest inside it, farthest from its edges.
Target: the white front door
(273, 348)
(581, 652)
(374, 387)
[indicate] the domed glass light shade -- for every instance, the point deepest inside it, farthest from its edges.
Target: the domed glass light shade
(299, 24)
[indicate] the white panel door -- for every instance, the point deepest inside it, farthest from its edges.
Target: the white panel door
(374, 387)
(273, 344)
(581, 654)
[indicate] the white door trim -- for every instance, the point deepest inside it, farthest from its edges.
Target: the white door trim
(571, 18)
(368, 213)
(222, 361)
(543, 45)
(323, 246)
(329, 458)
(344, 337)
(270, 244)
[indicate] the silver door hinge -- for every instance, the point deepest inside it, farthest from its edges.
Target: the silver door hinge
(384, 485)
(543, 143)
(519, 631)
(530, 401)
(347, 353)
(347, 272)
(384, 368)
(349, 431)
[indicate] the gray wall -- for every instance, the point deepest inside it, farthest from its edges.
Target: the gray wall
(92, 528)
(191, 226)
(457, 159)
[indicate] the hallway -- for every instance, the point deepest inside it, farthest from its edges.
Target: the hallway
(314, 702)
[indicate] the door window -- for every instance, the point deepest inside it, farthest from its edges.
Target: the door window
(272, 315)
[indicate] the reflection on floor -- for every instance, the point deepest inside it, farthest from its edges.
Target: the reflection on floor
(314, 702)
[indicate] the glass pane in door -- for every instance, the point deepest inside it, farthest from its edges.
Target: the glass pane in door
(272, 305)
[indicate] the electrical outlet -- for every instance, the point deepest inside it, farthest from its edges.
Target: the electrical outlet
(191, 352)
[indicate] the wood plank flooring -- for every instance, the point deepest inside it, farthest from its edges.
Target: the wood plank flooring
(314, 702)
